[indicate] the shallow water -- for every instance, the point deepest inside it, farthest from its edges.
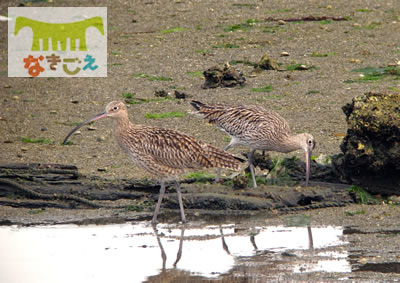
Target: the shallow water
(137, 252)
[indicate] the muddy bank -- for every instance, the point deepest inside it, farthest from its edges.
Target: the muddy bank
(42, 186)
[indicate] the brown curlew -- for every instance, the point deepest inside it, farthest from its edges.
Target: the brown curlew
(256, 128)
(162, 152)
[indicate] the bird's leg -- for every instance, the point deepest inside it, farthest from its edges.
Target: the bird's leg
(251, 165)
(163, 254)
(160, 197)
(178, 190)
(219, 169)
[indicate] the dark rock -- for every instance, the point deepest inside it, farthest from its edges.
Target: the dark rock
(371, 148)
(222, 76)
(160, 93)
(180, 95)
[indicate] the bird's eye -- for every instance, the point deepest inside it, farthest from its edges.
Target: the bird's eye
(115, 108)
(310, 142)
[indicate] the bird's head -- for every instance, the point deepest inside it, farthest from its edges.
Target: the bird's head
(114, 109)
(308, 143)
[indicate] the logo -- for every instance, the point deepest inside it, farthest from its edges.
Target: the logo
(57, 42)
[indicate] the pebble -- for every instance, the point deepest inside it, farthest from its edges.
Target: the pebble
(7, 86)
(43, 129)
(101, 139)
(363, 260)
(78, 132)
(91, 128)
(302, 67)
(289, 77)
(15, 97)
(24, 149)
(281, 22)
(357, 61)
(75, 101)
(53, 112)
(284, 54)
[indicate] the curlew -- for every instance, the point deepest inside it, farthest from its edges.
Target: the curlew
(162, 152)
(256, 128)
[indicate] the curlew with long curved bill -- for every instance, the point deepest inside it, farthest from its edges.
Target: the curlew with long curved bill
(256, 128)
(162, 152)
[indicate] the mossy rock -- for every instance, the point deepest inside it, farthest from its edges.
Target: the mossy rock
(371, 148)
(222, 77)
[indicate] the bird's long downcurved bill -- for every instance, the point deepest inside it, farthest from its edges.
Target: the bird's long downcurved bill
(97, 117)
(308, 166)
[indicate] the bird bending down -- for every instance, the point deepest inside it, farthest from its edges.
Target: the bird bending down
(256, 128)
(162, 152)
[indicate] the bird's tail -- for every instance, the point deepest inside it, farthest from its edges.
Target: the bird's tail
(222, 159)
(197, 104)
(205, 111)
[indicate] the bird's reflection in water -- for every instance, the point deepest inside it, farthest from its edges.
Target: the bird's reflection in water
(168, 275)
(254, 232)
(163, 254)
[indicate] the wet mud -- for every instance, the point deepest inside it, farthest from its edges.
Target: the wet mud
(62, 186)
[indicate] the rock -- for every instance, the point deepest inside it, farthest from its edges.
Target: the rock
(160, 93)
(101, 139)
(240, 182)
(371, 147)
(91, 128)
(356, 61)
(180, 95)
(223, 77)
(284, 54)
(267, 63)
(323, 159)
(302, 67)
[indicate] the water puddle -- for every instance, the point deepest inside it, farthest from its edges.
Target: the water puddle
(137, 252)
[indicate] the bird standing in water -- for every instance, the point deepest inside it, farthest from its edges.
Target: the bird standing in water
(163, 152)
(256, 128)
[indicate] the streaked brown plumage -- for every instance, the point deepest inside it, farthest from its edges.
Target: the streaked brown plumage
(162, 152)
(256, 128)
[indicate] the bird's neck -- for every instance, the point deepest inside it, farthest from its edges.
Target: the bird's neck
(291, 143)
(121, 124)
